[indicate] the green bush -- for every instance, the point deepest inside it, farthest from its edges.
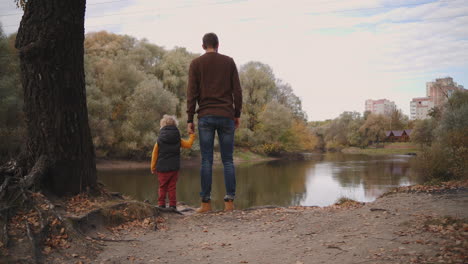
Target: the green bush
(447, 157)
(245, 137)
(433, 164)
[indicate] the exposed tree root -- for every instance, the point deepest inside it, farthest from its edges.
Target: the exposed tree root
(31, 215)
(5, 238)
(16, 195)
(37, 172)
(34, 244)
(3, 187)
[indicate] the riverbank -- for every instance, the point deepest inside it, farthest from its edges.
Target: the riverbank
(386, 149)
(240, 156)
(412, 224)
(409, 225)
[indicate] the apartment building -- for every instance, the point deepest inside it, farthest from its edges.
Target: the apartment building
(437, 93)
(380, 107)
(420, 107)
(441, 89)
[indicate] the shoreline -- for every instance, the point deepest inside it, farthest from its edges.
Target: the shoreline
(243, 157)
(393, 150)
(419, 224)
(411, 224)
(122, 164)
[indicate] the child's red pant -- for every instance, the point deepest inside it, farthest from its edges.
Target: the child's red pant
(167, 184)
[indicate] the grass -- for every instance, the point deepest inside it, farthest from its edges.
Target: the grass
(247, 155)
(399, 148)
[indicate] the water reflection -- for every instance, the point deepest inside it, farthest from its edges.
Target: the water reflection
(359, 177)
(320, 180)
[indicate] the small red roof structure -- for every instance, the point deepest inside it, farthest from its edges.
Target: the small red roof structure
(398, 135)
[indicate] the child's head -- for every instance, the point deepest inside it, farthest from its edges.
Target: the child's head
(168, 120)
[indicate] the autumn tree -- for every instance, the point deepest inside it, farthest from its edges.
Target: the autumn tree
(444, 155)
(398, 120)
(423, 131)
(339, 132)
(258, 85)
(374, 128)
(284, 94)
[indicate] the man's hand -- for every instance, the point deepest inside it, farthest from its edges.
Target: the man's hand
(191, 128)
(237, 122)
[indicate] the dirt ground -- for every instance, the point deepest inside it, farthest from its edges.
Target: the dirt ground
(396, 228)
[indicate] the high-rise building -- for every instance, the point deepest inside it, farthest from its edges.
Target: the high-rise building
(420, 107)
(441, 89)
(380, 107)
(437, 93)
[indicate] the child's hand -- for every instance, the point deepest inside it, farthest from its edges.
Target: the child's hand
(190, 128)
(153, 172)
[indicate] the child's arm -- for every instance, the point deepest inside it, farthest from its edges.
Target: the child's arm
(154, 158)
(187, 143)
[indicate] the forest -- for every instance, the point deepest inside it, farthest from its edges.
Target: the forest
(131, 83)
(357, 130)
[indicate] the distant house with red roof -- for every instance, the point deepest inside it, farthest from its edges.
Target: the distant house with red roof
(398, 135)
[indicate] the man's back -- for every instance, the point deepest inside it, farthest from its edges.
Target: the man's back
(214, 85)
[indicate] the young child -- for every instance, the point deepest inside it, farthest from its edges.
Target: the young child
(165, 161)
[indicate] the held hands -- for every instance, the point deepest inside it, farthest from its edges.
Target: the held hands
(237, 122)
(191, 128)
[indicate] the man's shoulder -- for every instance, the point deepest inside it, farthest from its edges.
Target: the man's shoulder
(226, 59)
(207, 57)
(196, 60)
(224, 56)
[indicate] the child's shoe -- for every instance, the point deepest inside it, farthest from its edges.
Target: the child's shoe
(162, 206)
(173, 207)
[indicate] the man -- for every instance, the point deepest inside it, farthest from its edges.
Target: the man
(214, 84)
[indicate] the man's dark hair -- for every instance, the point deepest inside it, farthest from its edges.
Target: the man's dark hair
(210, 40)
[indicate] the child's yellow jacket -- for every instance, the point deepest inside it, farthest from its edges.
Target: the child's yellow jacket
(183, 143)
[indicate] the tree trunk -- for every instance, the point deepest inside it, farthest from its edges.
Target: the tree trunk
(50, 40)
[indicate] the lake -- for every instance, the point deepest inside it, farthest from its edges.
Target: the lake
(320, 180)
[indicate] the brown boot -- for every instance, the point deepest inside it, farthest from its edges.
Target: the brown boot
(205, 207)
(228, 206)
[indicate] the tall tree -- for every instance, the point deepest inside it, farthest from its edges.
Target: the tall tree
(258, 84)
(59, 150)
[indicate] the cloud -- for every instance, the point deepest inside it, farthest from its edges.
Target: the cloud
(335, 54)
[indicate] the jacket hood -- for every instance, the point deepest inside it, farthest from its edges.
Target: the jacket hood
(169, 135)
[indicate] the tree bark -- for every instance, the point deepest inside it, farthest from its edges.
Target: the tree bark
(50, 40)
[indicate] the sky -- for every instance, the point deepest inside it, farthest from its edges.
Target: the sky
(334, 53)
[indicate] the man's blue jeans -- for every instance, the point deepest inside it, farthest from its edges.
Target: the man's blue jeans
(225, 128)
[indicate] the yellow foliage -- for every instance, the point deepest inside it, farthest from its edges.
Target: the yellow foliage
(303, 138)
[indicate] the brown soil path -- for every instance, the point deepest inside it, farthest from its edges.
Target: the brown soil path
(400, 228)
